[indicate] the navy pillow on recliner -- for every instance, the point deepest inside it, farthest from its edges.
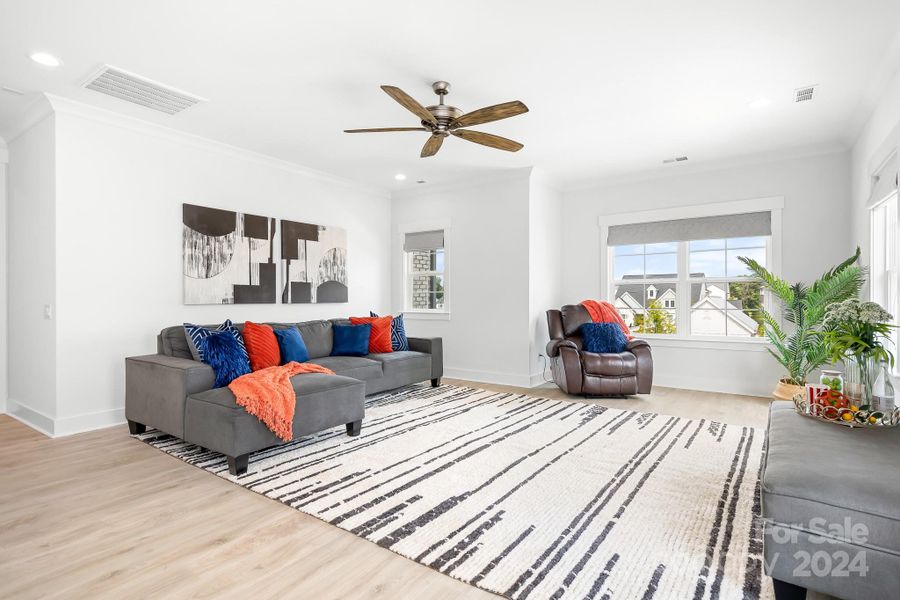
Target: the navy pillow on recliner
(603, 338)
(351, 340)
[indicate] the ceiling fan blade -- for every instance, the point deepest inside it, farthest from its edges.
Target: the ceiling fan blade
(381, 129)
(488, 139)
(432, 146)
(409, 103)
(490, 113)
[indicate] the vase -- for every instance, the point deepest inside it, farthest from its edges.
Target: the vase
(859, 378)
(883, 397)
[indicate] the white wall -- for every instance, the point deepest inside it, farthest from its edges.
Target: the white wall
(544, 261)
(878, 138)
(815, 190)
(487, 337)
(32, 275)
(4, 219)
(120, 184)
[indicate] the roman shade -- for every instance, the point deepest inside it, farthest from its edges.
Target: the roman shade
(423, 240)
(698, 228)
(884, 182)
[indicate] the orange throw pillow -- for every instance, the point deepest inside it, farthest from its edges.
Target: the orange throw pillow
(261, 346)
(380, 336)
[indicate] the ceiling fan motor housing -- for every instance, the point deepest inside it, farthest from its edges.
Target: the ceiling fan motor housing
(443, 114)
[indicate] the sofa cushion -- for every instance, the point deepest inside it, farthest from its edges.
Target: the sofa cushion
(611, 365)
(317, 336)
(304, 384)
(172, 341)
(394, 363)
(820, 470)
(351, 366)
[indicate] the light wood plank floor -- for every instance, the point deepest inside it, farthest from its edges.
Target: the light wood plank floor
(100, 515)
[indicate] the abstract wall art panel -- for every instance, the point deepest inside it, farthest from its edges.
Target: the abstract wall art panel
(314, 258)
(228, 257)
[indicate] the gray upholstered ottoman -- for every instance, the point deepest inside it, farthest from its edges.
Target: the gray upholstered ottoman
(831, 506)
(214, 420)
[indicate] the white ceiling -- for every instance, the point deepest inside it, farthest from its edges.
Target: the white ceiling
(614, 87)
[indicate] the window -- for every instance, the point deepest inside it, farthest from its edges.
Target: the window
(693, 283)
(885, 251)
(425, 271)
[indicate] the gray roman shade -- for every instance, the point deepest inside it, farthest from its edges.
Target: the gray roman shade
(884, 182)
(698, 228)
(423, 240)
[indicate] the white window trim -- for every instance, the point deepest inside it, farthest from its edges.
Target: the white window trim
(424, 314)
(773, 204)
(893, 270)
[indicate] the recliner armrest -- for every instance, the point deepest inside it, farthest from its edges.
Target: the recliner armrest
(433, 346)
(635, 343)
(553, 346)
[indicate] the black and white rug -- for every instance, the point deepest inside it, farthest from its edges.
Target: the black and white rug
(530, 497)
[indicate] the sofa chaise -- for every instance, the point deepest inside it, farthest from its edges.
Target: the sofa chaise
(174, 393)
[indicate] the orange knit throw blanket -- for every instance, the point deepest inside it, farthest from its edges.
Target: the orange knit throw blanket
(604, 312)
(268, 395)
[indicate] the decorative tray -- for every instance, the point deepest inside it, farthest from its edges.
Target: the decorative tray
(835, 407)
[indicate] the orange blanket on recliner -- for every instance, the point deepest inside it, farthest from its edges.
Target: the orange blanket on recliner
(268, 395)
(604, 312)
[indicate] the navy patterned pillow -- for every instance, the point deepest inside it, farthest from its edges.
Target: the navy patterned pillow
(603, 338)
(399, 341)
(197, 333)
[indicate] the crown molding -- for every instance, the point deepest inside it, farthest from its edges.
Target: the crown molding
(66, 106)
(521, 173)
(676, 171)
(35, 112)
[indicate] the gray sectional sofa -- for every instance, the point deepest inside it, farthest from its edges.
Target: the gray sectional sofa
(174, 393)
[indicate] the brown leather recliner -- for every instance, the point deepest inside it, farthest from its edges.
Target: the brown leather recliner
(578, 372)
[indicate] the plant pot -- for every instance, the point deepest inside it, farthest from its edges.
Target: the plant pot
(786, 391)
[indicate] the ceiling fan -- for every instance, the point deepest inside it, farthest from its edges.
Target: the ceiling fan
(443, 120)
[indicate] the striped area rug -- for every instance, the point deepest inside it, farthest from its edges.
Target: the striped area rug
(530, 497)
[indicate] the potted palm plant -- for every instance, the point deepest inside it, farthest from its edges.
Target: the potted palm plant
(798, 346)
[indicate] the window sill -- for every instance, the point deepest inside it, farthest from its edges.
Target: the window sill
(426, 315)
(705, 343)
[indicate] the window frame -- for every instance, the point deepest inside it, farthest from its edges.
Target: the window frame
(891, 272)
(405, 283)
(774, 205)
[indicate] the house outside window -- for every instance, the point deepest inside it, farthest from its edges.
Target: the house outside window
(683, 278)
(884, 286)
(425, 266)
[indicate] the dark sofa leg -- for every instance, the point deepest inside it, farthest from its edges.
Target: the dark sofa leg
(237, 465)
(788, 591)
(354, 427)
(136, 428)
(436, 382)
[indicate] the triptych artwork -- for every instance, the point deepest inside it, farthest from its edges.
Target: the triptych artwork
(229, 258)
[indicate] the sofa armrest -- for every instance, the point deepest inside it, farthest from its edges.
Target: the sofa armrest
(641, 350)
(553, 346)
(156, 387)
(433, 346)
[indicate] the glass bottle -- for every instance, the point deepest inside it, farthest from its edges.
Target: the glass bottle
(883, 397)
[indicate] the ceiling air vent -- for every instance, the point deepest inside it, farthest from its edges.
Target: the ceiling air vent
(674, 160)
(140, 90)
(804, 94)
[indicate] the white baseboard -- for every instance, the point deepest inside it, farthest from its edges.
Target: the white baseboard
(488, 377)
(30, 416)
(89, 422)
(721, 385)
(63, 426)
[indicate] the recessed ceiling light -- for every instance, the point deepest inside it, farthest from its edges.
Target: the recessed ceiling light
(400, 177)
(760, 102)
(45, 59)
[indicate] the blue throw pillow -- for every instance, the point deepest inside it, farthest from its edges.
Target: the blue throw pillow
(196, 333)
(351, 340)
(222, 352)
(399, 341)
(602, 338)
(292, 346)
